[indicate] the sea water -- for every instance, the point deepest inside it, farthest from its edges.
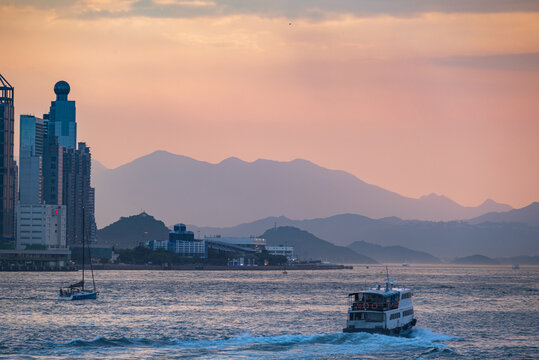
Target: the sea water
(469, 312)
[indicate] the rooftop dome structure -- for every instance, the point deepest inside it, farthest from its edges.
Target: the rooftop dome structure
(61, 89)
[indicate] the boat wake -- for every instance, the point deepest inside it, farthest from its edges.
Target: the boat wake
(420, 342)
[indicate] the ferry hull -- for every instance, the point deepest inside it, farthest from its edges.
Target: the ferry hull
(400, 331)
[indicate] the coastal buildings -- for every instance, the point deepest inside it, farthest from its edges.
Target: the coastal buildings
(287, 251)
(36, 260)
(8, 167)
(54, 204)
(41, 225)
(183, 242)
(240, 250)
(55, 172)
(159, 244)
(70, 174)
(252, 243)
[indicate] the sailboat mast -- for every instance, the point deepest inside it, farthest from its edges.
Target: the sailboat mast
(88, 244)
(83, 250)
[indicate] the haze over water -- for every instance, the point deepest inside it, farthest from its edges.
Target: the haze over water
(462, 311)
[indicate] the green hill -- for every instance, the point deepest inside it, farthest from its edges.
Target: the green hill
(309, 247)
(129, 232)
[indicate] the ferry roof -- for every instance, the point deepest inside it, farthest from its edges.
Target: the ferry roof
(381, 292)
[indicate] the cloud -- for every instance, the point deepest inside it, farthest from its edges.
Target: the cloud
(307, 9)
(513, 62)
(40, 4)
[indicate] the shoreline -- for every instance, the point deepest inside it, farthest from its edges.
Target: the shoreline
(221, 267)
(189, 267)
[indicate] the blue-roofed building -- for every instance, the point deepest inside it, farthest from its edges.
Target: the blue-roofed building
(183, 242)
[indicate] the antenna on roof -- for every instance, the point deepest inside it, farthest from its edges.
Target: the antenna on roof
(387, 273)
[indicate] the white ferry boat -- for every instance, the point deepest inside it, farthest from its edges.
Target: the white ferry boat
(385, 311)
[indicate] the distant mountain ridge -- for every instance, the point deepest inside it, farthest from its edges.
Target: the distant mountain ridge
(309, 247)
(129, 232)
(522, 260)
(389, 239)
(475, 260)
(528, 215)
(176, 187)
(444, 240)
(392, 254)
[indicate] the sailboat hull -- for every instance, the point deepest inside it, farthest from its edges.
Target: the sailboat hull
(83, 295)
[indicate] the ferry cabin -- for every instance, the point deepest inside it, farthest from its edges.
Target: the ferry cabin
(386, 311)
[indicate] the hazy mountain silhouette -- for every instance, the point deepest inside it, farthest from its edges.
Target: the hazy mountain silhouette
(445, 240)
(410, 239)
(307, 246)
(97, 167)
(475, 260)
(522, 260)
(528, 215)
(392, 254)
(176, 187)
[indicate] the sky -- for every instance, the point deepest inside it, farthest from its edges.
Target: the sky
(417, 97)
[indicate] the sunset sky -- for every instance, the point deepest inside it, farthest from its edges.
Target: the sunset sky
(413, 96)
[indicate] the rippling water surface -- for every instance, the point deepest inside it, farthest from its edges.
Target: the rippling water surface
(462, 312)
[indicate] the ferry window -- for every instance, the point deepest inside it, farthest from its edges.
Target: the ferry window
(408, 312)
(406, 295)
(374, 317)
(359, 316)
(395, 316)
(351, 316)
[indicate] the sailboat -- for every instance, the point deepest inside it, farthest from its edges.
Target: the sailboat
(77, 291)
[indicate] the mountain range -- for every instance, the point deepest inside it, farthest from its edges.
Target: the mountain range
(528, 215)
(444, 240)
(385, 240)
(309, 247)
(176, 188)
(475, 260)
(129, 232)
(392, 254)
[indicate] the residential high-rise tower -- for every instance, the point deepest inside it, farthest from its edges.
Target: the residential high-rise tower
(30, 160)
(62, 117)
(8, 167)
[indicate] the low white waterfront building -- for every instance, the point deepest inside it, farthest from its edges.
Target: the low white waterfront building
(253, 243)
(287, 251)
(39, 224)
